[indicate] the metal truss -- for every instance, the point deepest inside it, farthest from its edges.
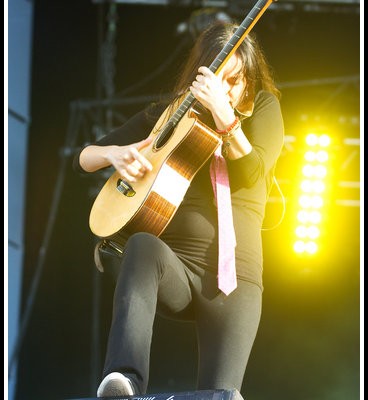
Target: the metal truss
(238, 6)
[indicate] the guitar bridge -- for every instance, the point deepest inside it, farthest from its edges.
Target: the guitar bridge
(125, 188)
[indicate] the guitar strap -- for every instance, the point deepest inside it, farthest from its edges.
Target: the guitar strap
(107, 247)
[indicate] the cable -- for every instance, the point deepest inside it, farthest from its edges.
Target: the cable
(283, 207)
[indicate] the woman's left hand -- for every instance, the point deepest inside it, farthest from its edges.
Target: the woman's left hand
(209, 90)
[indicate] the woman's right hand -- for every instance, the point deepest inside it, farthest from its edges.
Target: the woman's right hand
(127, 160)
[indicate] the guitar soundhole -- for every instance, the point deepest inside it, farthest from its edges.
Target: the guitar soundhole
(164, 136)
(125, 188)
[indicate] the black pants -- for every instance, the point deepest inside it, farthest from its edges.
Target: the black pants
(153, 279)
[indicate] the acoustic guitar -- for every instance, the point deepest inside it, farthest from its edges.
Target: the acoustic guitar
(181, 144)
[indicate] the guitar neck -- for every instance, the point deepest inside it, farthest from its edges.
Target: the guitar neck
(228, 50)
(244, 28)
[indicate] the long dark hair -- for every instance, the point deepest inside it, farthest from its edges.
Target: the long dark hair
(208, 45)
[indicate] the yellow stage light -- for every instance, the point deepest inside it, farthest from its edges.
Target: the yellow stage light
(312, 193)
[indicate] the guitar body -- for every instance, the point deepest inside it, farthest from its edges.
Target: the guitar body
(180, 145)
(159, 193)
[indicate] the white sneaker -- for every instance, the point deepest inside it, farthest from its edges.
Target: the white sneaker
(115, 384)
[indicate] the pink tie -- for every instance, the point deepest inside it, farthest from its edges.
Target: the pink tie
(226, 234)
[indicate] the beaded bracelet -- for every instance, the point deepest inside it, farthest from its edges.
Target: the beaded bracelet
(227, 136)
(229, 131)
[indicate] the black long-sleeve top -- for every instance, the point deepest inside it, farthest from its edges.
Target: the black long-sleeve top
(192, 232)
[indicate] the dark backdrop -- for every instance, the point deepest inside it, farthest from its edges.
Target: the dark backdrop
(308, 342)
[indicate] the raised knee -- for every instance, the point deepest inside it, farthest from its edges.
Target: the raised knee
(142, 251)
(142, 240)
(143, 245)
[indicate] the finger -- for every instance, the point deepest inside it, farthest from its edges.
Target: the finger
(202, 81)
(141, 159)
(196, 85)
(143, 143)
(204, 70)
(134, 170)
(126, 175)
(138, 167)
(200, 78)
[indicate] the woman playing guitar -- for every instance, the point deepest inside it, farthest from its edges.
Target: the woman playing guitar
(175, 273)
